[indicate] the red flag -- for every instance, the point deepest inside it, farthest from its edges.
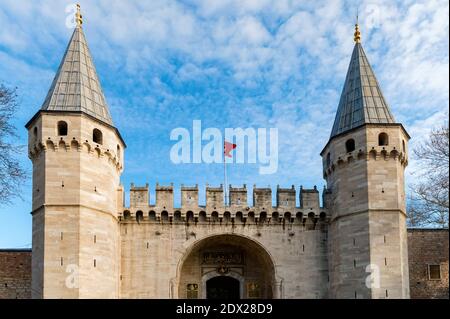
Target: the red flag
(227, 148)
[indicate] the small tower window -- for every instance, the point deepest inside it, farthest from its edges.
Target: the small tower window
(328, 159)
(62, 128)
(118, 151)
(434, 272)
(97, 136)
(404, 146)
(35, 133)
(350, 145)
(383, 139)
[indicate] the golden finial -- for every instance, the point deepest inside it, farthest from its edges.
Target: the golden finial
(357, 34)
(78, 16)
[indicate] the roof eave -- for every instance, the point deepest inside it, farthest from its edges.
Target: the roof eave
(38, 113)
(360, 126)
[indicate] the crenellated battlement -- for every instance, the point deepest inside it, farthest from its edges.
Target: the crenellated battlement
(237, 211)
(58, 144)
(375, 153)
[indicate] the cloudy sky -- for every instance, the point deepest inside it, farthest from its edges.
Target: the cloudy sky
(229, 63)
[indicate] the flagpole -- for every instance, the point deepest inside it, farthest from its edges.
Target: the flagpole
(225, 174)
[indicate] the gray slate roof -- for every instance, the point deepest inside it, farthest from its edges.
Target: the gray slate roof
(76, 86)
(361, 100)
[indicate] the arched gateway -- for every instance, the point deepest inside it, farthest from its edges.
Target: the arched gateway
(226, 267)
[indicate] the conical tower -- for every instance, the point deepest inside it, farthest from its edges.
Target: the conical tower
(77, 157)
(363, 164)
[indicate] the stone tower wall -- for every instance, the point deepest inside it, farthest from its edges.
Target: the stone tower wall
(75, 227)
(366, 202)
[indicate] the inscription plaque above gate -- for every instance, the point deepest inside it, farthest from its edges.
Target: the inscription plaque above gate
(223, 258)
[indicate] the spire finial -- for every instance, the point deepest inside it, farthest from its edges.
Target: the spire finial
(78, 16)
(357, 34)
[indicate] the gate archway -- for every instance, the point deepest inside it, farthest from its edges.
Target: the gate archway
(226, 265)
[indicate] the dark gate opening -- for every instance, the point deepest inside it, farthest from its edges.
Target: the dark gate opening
(222, 287)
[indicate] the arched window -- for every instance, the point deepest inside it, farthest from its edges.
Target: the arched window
(287, 217)
(164, 216)
(202, 217)
(238, 217)
(62, 128)
(126, 214)
(383, 139)
(299, 218)
(139, 216)
(177, 216)
(350, 145)
(275, 217)
(262, 217)
(227, 217)
(152, 215)
(189, 216)
(97, 136)
(214, 217)
(328, 159)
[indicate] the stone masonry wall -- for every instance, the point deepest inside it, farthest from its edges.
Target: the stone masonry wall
(15, 274)
(425, 247)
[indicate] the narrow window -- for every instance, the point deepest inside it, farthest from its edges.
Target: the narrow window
(384, 239)
(354, 242)
(404, 146)
(95, 239)
(383, 139)
(434, 272)
(350, 145)
(147, 245)
(62, 261)
(95, 263)
(354, 263)
(356, 295)
(387, 295)
(118, 152)
(62, 128)
(192, 291)
(35, 133)
(61, 235)
(303, 247)
(328, 159)
(97, 136)
(385, 261)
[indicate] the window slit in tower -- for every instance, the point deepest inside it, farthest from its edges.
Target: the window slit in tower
(387, 295)
(95, 239)
(62, 261)
(354, 263)
(147, 245)
(95, 262)
(384, 239)
(61, 235)
(303, 248)
(385, 261)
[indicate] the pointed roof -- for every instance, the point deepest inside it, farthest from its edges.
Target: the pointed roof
(361, 100)
(76, 86)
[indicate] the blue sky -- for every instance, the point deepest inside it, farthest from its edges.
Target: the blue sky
(229, 63)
